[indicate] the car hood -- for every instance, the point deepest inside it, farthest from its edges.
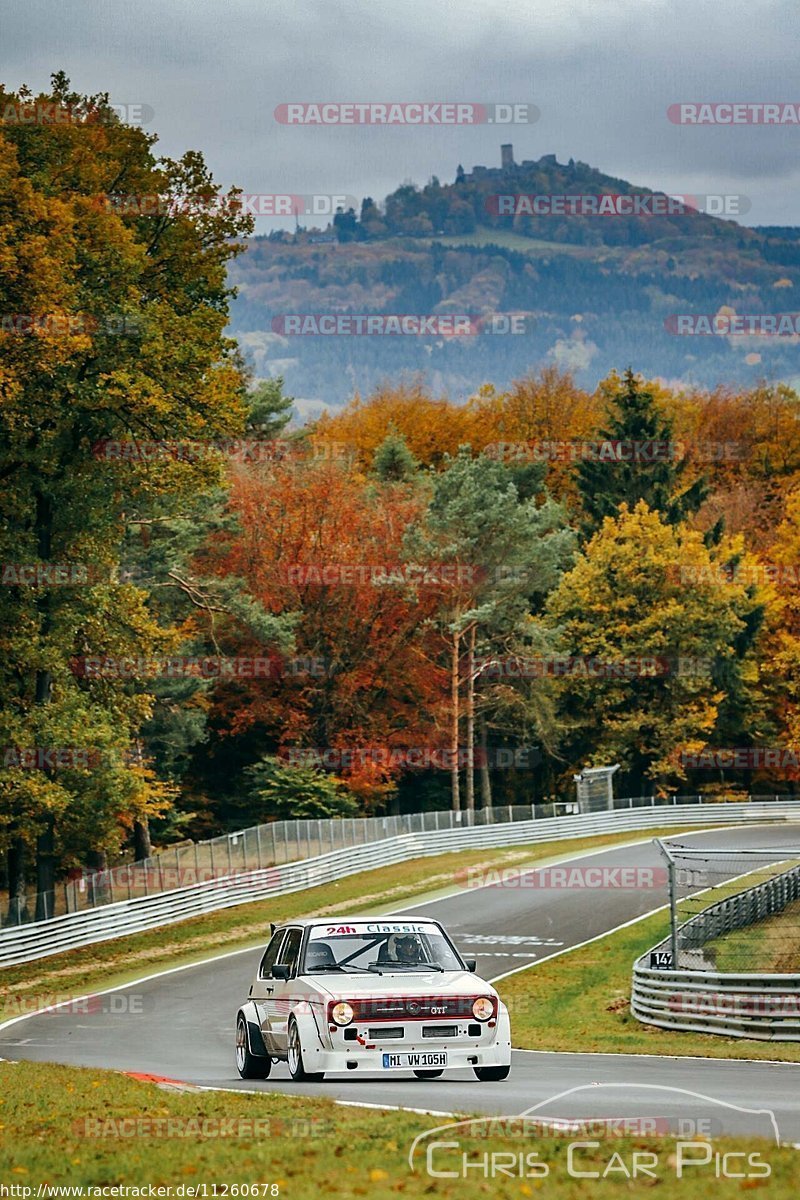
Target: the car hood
(405, 983)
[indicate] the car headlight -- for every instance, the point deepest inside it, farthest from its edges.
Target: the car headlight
(483, 1008)
(342, 1013)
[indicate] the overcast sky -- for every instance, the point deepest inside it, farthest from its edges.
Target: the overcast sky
(602, 73)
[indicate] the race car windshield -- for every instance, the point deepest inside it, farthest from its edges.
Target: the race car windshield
(380, 951)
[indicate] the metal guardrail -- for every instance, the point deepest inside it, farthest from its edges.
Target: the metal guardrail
(763, 1006)
(252, 849)
(274, 843)
(25, 943)
(744, 908)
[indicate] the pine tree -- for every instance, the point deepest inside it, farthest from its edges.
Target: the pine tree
(393, 461)
(649, 473)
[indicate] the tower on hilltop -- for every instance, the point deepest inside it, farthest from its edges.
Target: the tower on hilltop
(507, 156)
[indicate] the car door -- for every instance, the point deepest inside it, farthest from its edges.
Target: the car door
(286, 993)
(263, 990)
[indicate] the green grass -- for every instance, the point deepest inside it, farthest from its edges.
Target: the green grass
(773, 945)
(62, 1125)
(110, 963)
(66, 1126)
(580, 1002)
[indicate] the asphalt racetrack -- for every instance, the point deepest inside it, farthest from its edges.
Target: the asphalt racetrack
(180, 1024)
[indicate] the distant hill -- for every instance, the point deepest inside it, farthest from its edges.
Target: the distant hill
(595, 290)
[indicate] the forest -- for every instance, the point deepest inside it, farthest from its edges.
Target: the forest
(214, 614)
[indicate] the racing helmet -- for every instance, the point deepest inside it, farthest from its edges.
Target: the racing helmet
(407, 948)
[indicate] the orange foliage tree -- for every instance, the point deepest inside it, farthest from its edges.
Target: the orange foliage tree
(317, 540)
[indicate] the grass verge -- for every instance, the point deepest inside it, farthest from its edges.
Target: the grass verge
(579, 1001)
(65, 1126)
(108, 964)
(773, 945)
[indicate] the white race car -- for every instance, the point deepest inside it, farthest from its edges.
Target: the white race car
(371, 996)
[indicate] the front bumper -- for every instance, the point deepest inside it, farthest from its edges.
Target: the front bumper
(358, 1059)
(492, 1048)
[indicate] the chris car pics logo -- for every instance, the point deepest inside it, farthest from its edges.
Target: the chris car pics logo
(672, 1139)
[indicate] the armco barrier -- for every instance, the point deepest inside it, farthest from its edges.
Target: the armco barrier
(764, 1007)
(741, 909)
(37, 940)
(744, 1005)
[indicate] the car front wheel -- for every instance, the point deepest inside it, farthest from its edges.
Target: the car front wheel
(491, 1074)
(248, 1065)
(294, 1055)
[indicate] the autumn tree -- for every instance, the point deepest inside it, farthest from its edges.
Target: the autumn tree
(430, 428)
(645, 607)
(164, 553)
(538, 420)
(115, 308)
(322, 543)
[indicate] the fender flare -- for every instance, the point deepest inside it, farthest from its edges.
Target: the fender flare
(503, 1024)
(255, 1042)
(306, 1018)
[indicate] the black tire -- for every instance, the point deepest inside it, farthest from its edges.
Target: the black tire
(491, 1074)
(428, 1074)
(294, 1057)
(249, 1066)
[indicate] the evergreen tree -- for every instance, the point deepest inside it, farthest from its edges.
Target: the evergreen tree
(393, 461)
(269, 410)
(645, 469)
(508, 549)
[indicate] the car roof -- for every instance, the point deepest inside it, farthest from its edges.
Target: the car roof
(304, 922)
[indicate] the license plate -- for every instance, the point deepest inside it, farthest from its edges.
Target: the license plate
(415, 1062)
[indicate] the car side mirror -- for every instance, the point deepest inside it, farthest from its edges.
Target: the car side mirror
(280, 971)
(471, 963)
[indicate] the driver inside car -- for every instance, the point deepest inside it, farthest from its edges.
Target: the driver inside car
(409, 949)
(401, 948)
